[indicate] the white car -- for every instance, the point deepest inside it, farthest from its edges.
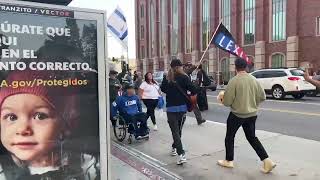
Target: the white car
(284, 81)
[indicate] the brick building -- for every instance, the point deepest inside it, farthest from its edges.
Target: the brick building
(273, 33)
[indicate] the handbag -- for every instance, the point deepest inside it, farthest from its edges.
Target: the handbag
(191, 100)
(160, 104)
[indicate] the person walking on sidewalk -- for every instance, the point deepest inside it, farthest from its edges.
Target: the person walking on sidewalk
(114, 87)
(149, 93)
(175, 85)
(202, 81)
(243, 95)
(189, 68)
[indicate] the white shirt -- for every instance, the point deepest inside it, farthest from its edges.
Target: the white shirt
(150, 91)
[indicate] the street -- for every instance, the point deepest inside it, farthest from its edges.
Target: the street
(299, 118)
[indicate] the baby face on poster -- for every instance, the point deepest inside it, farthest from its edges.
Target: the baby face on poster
(32, 122)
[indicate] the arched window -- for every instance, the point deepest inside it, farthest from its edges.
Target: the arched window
(277, 61)
(225, 71)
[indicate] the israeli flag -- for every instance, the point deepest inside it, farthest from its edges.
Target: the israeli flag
(117, 24)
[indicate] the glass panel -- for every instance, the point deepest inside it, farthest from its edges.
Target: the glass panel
(174, 28)
(279, 20)
(163, 22)
(152, 28)
(277, 61)
(226, 13)
(188, 34)
(205, 23)
(225, 70)
(249, 21)
(318, 26)
(297, 72)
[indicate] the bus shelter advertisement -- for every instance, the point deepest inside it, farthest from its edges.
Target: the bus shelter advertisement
(49, 110)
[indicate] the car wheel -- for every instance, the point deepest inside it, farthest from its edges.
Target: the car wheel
(298, 96)
(278, 92)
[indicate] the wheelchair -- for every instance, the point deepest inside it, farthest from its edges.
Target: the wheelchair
(122, 127)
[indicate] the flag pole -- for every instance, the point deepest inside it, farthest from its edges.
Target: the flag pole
(204, 53)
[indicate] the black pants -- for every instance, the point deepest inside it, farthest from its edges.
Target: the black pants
(139, 123)
(151, 105)
(249, 127)
(176, 121)
(202, 99)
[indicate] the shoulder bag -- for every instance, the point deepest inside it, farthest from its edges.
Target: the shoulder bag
(191, 100)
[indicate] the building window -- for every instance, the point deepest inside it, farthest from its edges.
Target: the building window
(225, 71)
(225, 13)
(249, 21)
(318, 26)
(142, 32)
(205, 23)
(279, 20)
(141, 10)
(163, 27)
(277, 61)
(188, 35)
(174, 28)
(152, 30)
(142, 52)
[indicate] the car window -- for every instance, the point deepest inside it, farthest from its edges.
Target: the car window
(296, 72)
(269, 74)
(258, 74)
(158, 74)
(277, 74)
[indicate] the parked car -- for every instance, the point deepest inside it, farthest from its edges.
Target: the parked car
(284, 81)
(212, 86)
(158, 76)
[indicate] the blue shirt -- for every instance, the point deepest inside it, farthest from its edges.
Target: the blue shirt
(125, 104)
(181, 108)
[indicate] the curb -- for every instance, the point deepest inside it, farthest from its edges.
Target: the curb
(150, 167)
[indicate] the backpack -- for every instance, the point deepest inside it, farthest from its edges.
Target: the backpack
(205, 79)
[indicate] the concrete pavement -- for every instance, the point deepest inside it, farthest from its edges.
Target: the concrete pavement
(300, 118)
(296, 157)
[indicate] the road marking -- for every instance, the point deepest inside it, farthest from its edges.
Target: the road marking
(281, 101)
(278, 110)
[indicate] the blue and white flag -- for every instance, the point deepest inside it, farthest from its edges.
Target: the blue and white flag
(117, 24)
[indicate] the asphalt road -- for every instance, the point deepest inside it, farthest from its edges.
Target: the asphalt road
(300, 118)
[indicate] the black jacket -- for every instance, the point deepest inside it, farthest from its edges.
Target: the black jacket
(173, 96)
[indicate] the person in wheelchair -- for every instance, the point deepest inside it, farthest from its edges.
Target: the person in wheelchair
(129, 107)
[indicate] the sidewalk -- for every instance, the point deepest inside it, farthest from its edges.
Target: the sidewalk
(118, 167)
(297, 158)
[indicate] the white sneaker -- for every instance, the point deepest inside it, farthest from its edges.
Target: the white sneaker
(155, 128)
(174, 152)
(181, 159)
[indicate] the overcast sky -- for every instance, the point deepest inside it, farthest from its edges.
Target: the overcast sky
(127, 6)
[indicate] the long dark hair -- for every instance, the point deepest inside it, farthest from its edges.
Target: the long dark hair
(147, 80)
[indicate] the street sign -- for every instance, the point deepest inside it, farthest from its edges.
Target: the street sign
(52, 92)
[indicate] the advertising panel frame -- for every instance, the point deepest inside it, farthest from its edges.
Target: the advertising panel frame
(103, 89)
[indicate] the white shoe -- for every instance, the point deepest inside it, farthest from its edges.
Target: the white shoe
(268, 166)
(174, 152)
(225, 163)
(155, 128)
(181, 159)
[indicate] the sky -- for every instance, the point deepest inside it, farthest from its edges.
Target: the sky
(127, 6)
